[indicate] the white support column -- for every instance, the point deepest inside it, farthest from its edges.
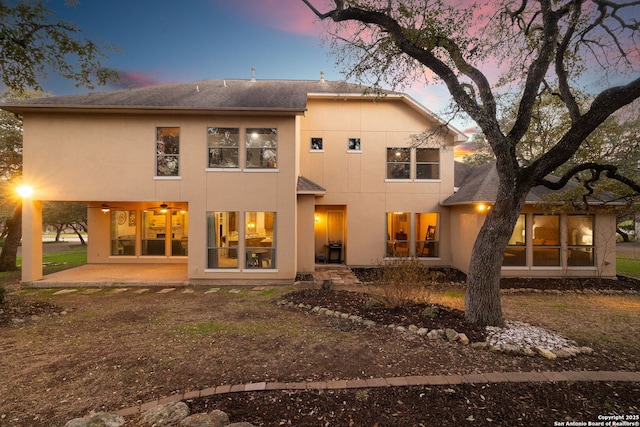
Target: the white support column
(31, 240)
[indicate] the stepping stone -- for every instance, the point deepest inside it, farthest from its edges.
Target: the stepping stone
(91, 291)
(259, 288)
(212, 291)
(166, 290)
(141, 291)
(65, 291)
(119, 290)
(187, 291)
(234, 291)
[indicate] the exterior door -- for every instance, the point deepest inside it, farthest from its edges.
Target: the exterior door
(335, 235)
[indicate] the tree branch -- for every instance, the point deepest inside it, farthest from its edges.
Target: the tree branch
(596, 169)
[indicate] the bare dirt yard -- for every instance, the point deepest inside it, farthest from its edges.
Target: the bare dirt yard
(66, 355)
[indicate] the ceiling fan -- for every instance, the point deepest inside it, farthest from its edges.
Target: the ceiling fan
(162, 207)
(105, 208)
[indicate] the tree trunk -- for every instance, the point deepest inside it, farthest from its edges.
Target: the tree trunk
(9, 253)
(82, 242)
(625, 236)
(482, 297)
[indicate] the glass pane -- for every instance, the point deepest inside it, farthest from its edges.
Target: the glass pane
(354, 144)
(427, 171)
(397, 234)
(580, 230)
(262, 148)
(316, 143)
(260, 239)
(580, 257)
(546, 230)
(167, 151)
(546, 257)
(398, 155)
(222, 239)
(154, 232)
(515, 257)
(427, 155)
(427, 235)
(223, 158)
(179, 233)
(123, 233)
(398, 171)
(223, 137)
(518, 237)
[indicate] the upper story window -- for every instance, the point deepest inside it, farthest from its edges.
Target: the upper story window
(316, 144)
(167, 151)
(427, 163)
(224, 147)
(262, 148)
(398, 163)
(354, 144)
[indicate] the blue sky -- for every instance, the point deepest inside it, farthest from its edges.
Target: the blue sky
(163, 41)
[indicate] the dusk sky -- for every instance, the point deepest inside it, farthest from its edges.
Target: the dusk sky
(163, 41)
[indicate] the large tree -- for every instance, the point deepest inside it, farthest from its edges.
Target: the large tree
(540, 44)
(34, 43)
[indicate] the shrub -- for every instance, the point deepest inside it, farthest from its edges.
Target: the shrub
(405, 280)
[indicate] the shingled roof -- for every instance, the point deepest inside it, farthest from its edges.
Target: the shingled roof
(479, 184)
(210, 95)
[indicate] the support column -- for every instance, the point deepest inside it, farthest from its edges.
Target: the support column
(31, 240)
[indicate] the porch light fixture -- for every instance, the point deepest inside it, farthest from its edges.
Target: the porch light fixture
(317, 218)
(105, 208)
(24, 191)
(482, 207)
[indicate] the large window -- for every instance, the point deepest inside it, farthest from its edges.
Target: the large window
(222, 239)
(546, 240)
(259, 239)
(427, 235)
(398, 163)
(580, 240)
(167, 151)
(398, 226)
(224, 147)
(123, 233)
(165, 232)
(516, 253)
(427, 163)
(262, 148)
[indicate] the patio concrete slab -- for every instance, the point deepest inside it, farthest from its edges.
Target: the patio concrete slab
(116, 275)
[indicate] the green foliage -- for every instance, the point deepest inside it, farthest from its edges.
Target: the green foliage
(33, 41)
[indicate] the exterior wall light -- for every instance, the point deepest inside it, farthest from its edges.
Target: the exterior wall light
(24, 191)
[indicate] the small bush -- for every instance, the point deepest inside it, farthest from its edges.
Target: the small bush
(405, 280)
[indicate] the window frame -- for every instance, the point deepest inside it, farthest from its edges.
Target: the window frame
(161, 156)
(261, 146)
(587, 248)
(317, 145)
(402, 166)
(223, 148)
(354, 145)
(431, 164)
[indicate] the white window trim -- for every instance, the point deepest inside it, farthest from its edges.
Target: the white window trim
(167, 178)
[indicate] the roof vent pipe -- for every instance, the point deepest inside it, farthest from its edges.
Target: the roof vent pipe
(321, 76)
(253, 74)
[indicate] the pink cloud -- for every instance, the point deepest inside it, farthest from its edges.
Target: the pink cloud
(287, 15)
(133, 79)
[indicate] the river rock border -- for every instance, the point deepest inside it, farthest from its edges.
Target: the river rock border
(516, 338)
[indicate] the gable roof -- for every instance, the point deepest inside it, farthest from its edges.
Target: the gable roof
(479, 184)
(218, 95)
(222, 96)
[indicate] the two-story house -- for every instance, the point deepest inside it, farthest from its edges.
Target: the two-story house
(263, 179)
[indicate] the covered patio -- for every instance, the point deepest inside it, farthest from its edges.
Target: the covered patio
(115, 275)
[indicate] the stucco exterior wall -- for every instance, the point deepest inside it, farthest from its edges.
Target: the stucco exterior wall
(98, 158)
(356, 180)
